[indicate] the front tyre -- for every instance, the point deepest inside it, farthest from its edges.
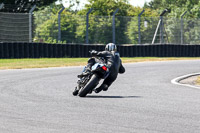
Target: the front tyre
(92, 83)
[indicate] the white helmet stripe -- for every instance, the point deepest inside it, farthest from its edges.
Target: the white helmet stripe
(111, 47)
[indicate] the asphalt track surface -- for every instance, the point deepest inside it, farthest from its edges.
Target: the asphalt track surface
(141, 100)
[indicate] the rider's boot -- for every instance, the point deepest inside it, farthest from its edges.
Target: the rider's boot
(103, 87)
(77, 88)
(75, 92)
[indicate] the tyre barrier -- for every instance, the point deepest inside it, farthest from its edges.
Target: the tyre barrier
(43, 50)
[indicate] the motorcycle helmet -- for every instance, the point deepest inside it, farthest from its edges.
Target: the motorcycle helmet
(111, 47)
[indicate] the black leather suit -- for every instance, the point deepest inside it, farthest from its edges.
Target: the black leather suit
(113, 61)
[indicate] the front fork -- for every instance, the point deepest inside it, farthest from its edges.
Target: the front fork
(81, 82)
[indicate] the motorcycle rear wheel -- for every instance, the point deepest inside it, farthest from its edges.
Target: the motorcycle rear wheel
(92, 83)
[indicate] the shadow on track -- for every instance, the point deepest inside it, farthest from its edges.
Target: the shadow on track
(92, 96)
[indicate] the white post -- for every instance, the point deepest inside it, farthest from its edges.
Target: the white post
(156, 32)
(160, 23)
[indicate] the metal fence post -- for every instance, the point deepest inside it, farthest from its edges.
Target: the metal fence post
(182, 26)
(113, 24)
(59, 27)
(87, 24)
(139, 34)
(161, 29)
(160, 24)
(30, 22)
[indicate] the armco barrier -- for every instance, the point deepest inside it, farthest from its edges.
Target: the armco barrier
(43, 50)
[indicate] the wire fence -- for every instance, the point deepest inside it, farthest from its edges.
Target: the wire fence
(49, 28)
(14, 27)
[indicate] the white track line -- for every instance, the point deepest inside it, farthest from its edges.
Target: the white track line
(176, 80)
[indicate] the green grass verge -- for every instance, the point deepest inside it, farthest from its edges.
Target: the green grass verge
(41, 63)
(61, 62)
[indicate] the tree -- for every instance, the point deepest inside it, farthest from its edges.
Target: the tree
(106, 7)
(177, 7)
(173, 23)
(47, 25)
(38, 2)
(100, 30)
(148, 25)
(24, 5)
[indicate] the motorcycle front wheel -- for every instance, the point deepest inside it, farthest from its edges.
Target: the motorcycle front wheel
(92, 83)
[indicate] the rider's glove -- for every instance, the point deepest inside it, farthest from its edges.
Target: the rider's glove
(93, 52)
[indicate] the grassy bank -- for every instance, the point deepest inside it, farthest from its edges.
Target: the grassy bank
(61, 62)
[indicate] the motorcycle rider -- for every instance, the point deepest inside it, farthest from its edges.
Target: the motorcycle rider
(113, 62)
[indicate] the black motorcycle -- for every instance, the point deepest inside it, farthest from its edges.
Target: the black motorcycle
(87, 83)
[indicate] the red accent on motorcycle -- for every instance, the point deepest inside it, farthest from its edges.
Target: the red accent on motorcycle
(104, 68)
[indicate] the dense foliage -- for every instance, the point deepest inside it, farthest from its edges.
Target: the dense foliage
(73, 22)
(190, 20)
(24, 5)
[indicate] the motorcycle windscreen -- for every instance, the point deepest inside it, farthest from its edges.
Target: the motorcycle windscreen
(95, 66)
